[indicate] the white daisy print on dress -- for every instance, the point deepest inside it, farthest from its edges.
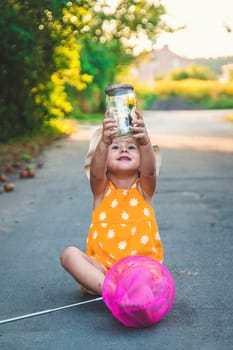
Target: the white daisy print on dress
(133, 231)
(95, 234)
(122, 245)
(144, 239)
(157, 236)
(134, 252)
(124, 215)
(114, 203)
(102, 216)
(133, 202)
(111, 233)
(125, 192)
(154, 250)
(100, 244)
(104, 224)
(146, 212)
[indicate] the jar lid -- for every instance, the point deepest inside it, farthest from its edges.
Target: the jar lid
(118, 89)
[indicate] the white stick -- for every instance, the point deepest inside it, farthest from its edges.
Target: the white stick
(39, 313)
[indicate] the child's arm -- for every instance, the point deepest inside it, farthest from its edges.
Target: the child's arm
(98, 179)
(147, 180)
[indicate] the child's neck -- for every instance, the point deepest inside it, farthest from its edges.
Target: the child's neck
(122, 182)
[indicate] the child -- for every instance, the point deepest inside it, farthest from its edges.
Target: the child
(123, 182)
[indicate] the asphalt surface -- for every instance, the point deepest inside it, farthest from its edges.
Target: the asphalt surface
(194, 208)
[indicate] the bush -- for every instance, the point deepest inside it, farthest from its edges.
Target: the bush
(211, 94)
(192, 72)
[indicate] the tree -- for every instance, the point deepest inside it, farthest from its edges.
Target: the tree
(111, 38)
(53, 50)
(24, 51)
(39, 57)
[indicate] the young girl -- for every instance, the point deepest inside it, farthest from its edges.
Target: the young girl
(123, 182)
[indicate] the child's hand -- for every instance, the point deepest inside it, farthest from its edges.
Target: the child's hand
(139, 128)
(110, 128)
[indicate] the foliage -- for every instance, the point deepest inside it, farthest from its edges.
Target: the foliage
(51, 51)
(24, 64)
(231, 74)
(211, 94)
(207, 93)
(40, 58)
(214, 64)
(110, 43)
(192, 72)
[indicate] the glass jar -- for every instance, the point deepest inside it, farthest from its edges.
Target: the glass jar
(121, 104)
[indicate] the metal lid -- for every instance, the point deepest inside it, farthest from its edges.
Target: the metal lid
(118, 89)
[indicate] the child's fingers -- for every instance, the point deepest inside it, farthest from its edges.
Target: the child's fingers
(109, 123)
(106, 114)
(138, 131)
(138, 114)
(108, 119)
(138, 123)
(110, 127)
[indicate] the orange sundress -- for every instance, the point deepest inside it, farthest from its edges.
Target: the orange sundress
(124, 224)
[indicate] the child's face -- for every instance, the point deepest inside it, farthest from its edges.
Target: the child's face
(123, 154)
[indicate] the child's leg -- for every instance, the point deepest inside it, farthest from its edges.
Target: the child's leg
(84, 269)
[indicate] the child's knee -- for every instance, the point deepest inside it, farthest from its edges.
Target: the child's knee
(67, 255)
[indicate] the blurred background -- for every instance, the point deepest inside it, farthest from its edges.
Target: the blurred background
(57, 58)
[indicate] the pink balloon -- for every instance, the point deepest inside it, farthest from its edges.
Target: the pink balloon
(139, 291)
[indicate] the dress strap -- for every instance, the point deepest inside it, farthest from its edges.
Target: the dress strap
(134, 185)
(111, 185)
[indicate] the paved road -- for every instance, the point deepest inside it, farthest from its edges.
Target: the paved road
(194, 211)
